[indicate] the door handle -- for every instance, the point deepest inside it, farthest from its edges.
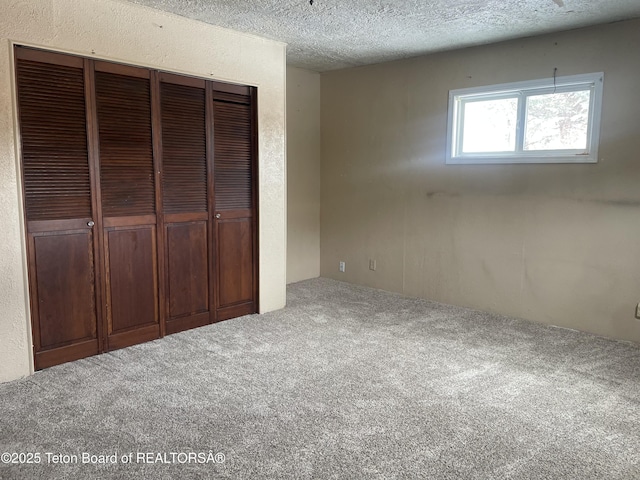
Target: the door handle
(90, 223)
(217, 215)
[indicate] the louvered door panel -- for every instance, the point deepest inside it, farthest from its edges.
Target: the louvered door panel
(186, 203)
(184, 156)
(128, 198)
(234, 174)
(58, 205)
(54, 141)
(233, 154)
(126, 149)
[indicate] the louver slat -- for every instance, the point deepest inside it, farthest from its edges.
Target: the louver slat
(54, 141)
(231, 97)
(126, 150)
(232, 154)
(184, 161)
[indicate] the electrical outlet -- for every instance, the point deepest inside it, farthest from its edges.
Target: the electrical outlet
(638, 311)
(342, 267)
(372, 264)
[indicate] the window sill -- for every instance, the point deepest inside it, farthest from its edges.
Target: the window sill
(482, 160)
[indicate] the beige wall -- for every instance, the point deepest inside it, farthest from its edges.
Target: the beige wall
(303, 174)
(128, 33)
(558, 244)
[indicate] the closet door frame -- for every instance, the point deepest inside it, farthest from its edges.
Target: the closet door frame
(101, 226)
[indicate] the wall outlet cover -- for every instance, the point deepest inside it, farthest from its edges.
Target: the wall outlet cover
(342, 267)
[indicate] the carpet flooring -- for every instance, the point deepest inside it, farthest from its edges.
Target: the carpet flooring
(346, 382)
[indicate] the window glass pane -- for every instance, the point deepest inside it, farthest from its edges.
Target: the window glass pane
(490, 126)
(557, 121)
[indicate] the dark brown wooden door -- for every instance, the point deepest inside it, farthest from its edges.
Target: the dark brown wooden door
(186, 155)
(57, 179)
(140, 202)
(128, 202)
(235, 200)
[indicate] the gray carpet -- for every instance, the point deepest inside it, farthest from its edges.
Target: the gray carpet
(346, 382)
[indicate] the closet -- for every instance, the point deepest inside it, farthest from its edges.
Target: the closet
(140, 202)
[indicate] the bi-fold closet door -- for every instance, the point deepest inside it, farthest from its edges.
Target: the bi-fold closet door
(140, 205)
(126, 196)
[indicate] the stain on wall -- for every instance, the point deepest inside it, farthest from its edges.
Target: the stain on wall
(551, 243)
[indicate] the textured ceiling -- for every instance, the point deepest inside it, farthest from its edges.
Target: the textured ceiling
(332, 34)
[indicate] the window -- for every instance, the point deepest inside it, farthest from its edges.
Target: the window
(541, 121)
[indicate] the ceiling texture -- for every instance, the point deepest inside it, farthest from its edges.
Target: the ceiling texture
(333, 34)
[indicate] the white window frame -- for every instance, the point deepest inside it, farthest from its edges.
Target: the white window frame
(521, 90)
